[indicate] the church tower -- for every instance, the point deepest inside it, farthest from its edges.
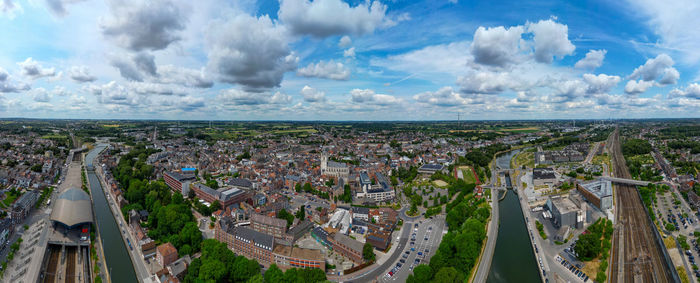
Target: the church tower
(324, 161)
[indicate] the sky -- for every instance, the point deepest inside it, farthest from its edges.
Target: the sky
(349, 60)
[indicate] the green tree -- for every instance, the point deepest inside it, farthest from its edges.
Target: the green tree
(421, 274)
(368, 252)
(301, 213)
(273, 274)
(283, 214)
(448, 275)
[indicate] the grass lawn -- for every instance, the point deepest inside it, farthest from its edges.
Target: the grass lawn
(643, 159)
(10, 199)
(440, 183)
(468, 174)
(591, 267)
(525, 158)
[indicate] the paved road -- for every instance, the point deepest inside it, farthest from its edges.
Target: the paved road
(377, 271)
(482, 272)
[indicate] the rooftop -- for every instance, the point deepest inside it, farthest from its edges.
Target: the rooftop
(600, 188)
(543, 173)
(564, 205)
(72, 207)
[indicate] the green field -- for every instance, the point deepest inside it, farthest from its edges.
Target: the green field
(468, 174)
(10, 199)
(525, 158)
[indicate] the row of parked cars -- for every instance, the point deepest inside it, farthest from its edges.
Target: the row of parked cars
(691, 258)
(572, 268)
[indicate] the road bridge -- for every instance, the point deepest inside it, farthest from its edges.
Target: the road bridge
(626, 181)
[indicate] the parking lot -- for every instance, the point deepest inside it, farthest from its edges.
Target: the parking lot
(423, 241)
(573, 268)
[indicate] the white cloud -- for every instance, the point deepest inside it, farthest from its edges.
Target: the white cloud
(692, 91)
(601, 83)
(350, 52)
(636, 87)
(249, 51)
(660, 68)
(41, 95)
(144, 25)
(496, 46)
(551, 40)
(345, 41)
(312, 95)
(443, 58)
(8, 85)
(322, 18)
(170, 74)
(675, 22)
(325, 69)
(445, 97)
(593, 60)
(34, 70)
(484, 82)
(237, 97)
(81, 74)
(368, 96)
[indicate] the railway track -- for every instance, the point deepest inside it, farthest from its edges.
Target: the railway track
(636, 256)
(52, 266)
(70, 264)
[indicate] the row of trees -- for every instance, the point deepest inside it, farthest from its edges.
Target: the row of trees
(307, 188)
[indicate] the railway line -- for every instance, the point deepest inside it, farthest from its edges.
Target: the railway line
(70, 264)
(636, 255)
(52, 266)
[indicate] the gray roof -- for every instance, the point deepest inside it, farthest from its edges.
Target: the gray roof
(543, 173)
(72, 207)
(261, 239)
(336, 164)
(348, 242)
(179, 177)
(432, 167)
(268, 220)
(600, 188)
(207, 190)
(360, 210)
(238, 182)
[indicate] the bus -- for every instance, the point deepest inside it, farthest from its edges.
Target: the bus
(48, 202)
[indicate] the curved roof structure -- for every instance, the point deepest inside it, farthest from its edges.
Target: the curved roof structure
(73, 207)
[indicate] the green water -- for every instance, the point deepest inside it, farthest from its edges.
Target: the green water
(513, 259)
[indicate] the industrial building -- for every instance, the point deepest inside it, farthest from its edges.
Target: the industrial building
(565, 212)
(598, 192)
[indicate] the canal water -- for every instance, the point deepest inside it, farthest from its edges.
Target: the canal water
(119, 263)
(513, 259)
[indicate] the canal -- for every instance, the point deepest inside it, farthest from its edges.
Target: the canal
(119, 263)
(513, 258)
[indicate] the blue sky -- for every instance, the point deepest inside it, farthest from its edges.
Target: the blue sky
(349, 60)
